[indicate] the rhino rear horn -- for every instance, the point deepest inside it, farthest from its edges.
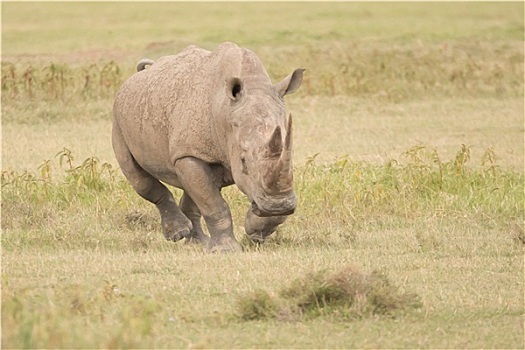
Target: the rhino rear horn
(288, 141)
(285, 161)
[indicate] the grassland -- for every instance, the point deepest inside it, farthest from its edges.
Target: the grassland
(409, 161)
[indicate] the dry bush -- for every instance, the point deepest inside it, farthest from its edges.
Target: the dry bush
(347, 293)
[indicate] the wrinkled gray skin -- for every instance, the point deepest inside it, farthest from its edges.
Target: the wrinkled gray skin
(201, 121)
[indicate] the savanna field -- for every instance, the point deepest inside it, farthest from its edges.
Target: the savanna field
(409, 169)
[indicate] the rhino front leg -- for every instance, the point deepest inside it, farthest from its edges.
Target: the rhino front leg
(259, 228)
(199, 183)
(192, 212)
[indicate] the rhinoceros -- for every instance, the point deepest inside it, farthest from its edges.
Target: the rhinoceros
(201, 120)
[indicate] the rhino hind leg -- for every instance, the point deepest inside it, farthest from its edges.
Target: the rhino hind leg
(259, 228)
(175, 225)
(192, 212)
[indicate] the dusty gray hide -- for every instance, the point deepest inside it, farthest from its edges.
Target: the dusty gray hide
(200, 121)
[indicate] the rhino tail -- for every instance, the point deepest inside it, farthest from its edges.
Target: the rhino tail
(143, 63)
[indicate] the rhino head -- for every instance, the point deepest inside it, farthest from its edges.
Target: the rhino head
(260, 142)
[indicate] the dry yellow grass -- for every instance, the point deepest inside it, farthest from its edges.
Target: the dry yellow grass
(84, 263)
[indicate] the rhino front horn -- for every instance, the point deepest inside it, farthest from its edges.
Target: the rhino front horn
(280, 178)
(275, 145)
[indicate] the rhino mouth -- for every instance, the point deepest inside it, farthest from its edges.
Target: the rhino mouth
(272, 211)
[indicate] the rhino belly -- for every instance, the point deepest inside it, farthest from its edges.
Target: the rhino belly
(149, 147)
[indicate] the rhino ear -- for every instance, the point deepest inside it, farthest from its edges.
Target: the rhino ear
(234, 89)
(291, 83)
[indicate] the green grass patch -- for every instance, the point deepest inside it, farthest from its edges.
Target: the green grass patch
(355, 196)
(91, 198)
(61, 29)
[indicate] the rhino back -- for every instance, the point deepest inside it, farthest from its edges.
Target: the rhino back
(178, 107)
(151, 102)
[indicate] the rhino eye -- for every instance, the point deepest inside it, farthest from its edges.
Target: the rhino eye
(244, 167)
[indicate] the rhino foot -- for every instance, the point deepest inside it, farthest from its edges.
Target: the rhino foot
(197, 238)
(176, 229)
(259, 228)
(224, 245)
(258, 237)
